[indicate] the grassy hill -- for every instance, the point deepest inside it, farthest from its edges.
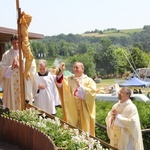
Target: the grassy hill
(122, 32)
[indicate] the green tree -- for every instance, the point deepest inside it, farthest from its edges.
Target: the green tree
(106, 61)
(72, 48)
(122, 55)
(82, 47)
(141, 58)
(52, 49)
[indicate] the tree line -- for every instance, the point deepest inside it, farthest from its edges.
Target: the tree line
(104, 56)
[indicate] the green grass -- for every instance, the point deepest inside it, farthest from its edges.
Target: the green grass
(106, 83)
(132, 30)
(122, 32)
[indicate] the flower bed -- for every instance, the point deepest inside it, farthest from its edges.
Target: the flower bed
(61, 134)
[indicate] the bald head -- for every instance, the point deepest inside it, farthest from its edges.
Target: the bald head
(78, 69)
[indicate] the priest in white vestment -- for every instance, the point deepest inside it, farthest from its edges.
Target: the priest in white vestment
(10, 78)
(123, 123)
(47, 97)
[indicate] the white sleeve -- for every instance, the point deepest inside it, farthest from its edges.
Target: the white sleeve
(79, 92)
(118, 119)
(8, 72)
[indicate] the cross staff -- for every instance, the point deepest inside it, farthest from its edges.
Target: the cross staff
(22, 89)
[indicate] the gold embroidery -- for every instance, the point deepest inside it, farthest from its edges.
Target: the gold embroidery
(116, 135)
(16, 83)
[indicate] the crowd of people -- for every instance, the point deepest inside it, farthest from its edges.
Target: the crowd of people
(75, 94)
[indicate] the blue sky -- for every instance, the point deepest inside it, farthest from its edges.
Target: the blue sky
(53, 17)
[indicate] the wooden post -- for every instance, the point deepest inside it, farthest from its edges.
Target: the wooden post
(22, 89)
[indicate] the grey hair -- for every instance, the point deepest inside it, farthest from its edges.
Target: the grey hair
(42, 62)
(81, 64)
(127, 90)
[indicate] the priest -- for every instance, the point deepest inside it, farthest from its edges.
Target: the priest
(78, 99)
(123, 123)
(10, 77)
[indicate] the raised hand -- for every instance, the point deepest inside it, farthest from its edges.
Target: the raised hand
(76, 81)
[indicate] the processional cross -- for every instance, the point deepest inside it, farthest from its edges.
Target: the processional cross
(23, 23)
(22, 89)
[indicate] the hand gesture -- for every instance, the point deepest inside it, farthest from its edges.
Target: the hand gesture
(76, 80)
(41, 86)
(114, 113)
(15, 64)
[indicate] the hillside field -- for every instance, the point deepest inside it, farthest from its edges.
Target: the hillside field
(116, 33)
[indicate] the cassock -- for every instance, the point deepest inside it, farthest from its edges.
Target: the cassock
(10, 81)
(79, 112)
(47, 99)
(125, 132)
